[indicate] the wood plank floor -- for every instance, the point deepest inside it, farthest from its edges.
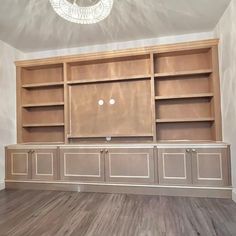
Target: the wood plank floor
(52, 213)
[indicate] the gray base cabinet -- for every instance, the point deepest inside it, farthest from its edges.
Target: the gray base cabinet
(18, 164)
(129, 165)
(210, 167)
(44, 164)
(82, 164)
(199, 167)
(35, 164)
(174, 166)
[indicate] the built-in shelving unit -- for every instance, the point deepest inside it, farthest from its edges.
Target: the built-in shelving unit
(184, 95)
(42, 103)
(159, 93)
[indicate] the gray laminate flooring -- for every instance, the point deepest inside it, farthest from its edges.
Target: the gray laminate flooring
(44, 213)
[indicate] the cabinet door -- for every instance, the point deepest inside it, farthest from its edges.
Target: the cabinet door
(129, 165)
(44, 164)
(210, 166)
(18, 164)
(82, 164)
(174, 166)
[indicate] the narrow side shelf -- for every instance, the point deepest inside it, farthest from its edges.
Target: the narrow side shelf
(185, 96)
(42, 125)
(41, 85)
(182, 120)
(182, 73)
(43, 105)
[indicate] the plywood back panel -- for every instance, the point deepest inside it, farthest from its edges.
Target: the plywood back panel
(129, 116)
(182, 85)
(42, 74)
(183, 108)
(185, 131)
(42, 95)
(182, 61)
(43, 134)
(42, 115)
(110, 68)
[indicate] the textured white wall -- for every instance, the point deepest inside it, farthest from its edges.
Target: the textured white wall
(226, 31)
(7, 102)
(122, 45)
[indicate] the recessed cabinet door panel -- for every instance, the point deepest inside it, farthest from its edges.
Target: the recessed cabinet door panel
(174, 166)
(45, 164)
(18, 164)
(210, 167)
(82, 164)
(130, 165)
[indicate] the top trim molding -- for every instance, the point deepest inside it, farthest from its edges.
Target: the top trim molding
(120, 53)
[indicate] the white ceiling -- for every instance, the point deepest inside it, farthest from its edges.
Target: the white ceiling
(32, 25)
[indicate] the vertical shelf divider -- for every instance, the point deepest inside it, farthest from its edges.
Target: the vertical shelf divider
(153, 102)
(216, 101)
(66, 120)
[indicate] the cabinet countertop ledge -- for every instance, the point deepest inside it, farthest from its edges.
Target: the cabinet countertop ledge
(176, 144)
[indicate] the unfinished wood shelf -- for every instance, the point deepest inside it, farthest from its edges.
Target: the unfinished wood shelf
(110, 68)
(43, 125)
(169, 92)
(136, 77)
(109, 135)
(43, 105)
(210, 119)
(185, 96)
(183, 73)
(39, 85)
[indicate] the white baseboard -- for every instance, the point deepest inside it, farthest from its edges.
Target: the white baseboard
(234, 194)
(2, 185)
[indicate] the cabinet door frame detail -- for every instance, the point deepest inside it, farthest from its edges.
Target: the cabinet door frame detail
(221, 166)
(185, 166)
(98, 167)
(223, 178)
(36, 164)
(129, 176)
(73, 175)
(147, 178)
(27, 163)
(164, 179)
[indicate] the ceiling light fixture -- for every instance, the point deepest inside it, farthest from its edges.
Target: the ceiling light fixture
(82, 14)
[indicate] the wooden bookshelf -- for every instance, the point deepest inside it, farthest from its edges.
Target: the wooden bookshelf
(183, 73)
(183, 120)
(43, 104)
(136, 77)
(168, 92)
(185, 96)
(43, 125)
(38, 85)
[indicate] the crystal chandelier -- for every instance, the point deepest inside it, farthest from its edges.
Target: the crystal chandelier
(82, 14)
